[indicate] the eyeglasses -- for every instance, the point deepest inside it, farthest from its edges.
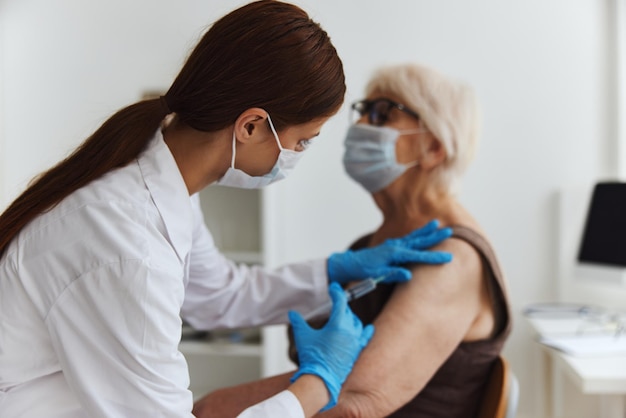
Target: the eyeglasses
(603, 321)
(377, 110)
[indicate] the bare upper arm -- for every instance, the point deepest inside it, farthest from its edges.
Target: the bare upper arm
(419, 327)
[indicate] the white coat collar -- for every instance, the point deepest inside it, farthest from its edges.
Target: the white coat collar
(169, 192)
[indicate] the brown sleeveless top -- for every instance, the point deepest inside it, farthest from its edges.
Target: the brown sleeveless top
(456, 389)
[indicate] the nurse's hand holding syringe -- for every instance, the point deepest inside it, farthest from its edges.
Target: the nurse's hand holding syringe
(330, 351)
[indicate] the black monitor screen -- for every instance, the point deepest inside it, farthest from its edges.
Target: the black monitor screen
(604, 235)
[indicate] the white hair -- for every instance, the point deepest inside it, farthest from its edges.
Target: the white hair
(448, 108)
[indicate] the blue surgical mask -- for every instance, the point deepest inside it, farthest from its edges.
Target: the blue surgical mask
(285, 163)
(370, 155)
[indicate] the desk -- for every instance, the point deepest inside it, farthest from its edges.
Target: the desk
(604, 376)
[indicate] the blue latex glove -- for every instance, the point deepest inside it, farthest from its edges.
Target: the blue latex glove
(330, 352)
(386, 258)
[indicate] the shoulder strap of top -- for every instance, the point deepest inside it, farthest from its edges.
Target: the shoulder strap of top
(500, 292)
(362, 242)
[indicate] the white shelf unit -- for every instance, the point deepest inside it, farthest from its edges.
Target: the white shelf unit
(234, 217)
(213, 365)
(236, 220)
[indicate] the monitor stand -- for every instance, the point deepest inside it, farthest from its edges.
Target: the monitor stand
(596, 273)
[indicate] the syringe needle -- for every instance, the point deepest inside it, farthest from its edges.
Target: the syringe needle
(353, 292)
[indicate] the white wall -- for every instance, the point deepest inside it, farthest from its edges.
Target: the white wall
(541, 69)
(2, 100)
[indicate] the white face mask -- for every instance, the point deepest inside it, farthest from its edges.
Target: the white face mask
(370, 155)
(285, 163)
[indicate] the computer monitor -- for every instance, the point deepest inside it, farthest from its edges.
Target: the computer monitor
(602, 251)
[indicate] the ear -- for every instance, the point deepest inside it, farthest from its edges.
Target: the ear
(250, 125)
(434, 153)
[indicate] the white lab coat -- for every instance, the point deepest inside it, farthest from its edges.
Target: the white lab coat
(92, 291)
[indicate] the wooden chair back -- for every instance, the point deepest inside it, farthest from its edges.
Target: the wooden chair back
(500, 400)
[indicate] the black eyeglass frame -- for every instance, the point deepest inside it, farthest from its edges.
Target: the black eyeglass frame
(368, 107)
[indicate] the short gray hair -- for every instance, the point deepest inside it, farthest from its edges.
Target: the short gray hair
(447, 107)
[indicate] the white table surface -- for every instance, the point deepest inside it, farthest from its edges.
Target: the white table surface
(603, 375)
(592, 375)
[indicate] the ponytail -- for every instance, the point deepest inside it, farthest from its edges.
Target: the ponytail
(115, 144)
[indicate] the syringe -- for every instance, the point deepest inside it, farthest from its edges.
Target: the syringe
(353, 292)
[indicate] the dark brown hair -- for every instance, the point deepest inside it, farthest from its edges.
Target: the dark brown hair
(266, 54)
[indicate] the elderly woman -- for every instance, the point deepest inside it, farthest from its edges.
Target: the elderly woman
(438, 335)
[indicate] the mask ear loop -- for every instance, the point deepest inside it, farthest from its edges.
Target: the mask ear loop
(421, 130)
(280, 146)
(413, 131)
(232, 159)
(411, 164)
(409, 132)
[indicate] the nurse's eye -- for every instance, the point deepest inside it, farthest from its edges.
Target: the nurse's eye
(303, 144)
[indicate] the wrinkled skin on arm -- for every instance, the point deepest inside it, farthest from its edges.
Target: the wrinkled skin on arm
(421, 325)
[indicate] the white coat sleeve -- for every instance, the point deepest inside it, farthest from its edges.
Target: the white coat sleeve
(283, 404)
(222, 294)
(115, 331)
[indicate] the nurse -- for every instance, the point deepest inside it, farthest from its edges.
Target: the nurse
(105, 252)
